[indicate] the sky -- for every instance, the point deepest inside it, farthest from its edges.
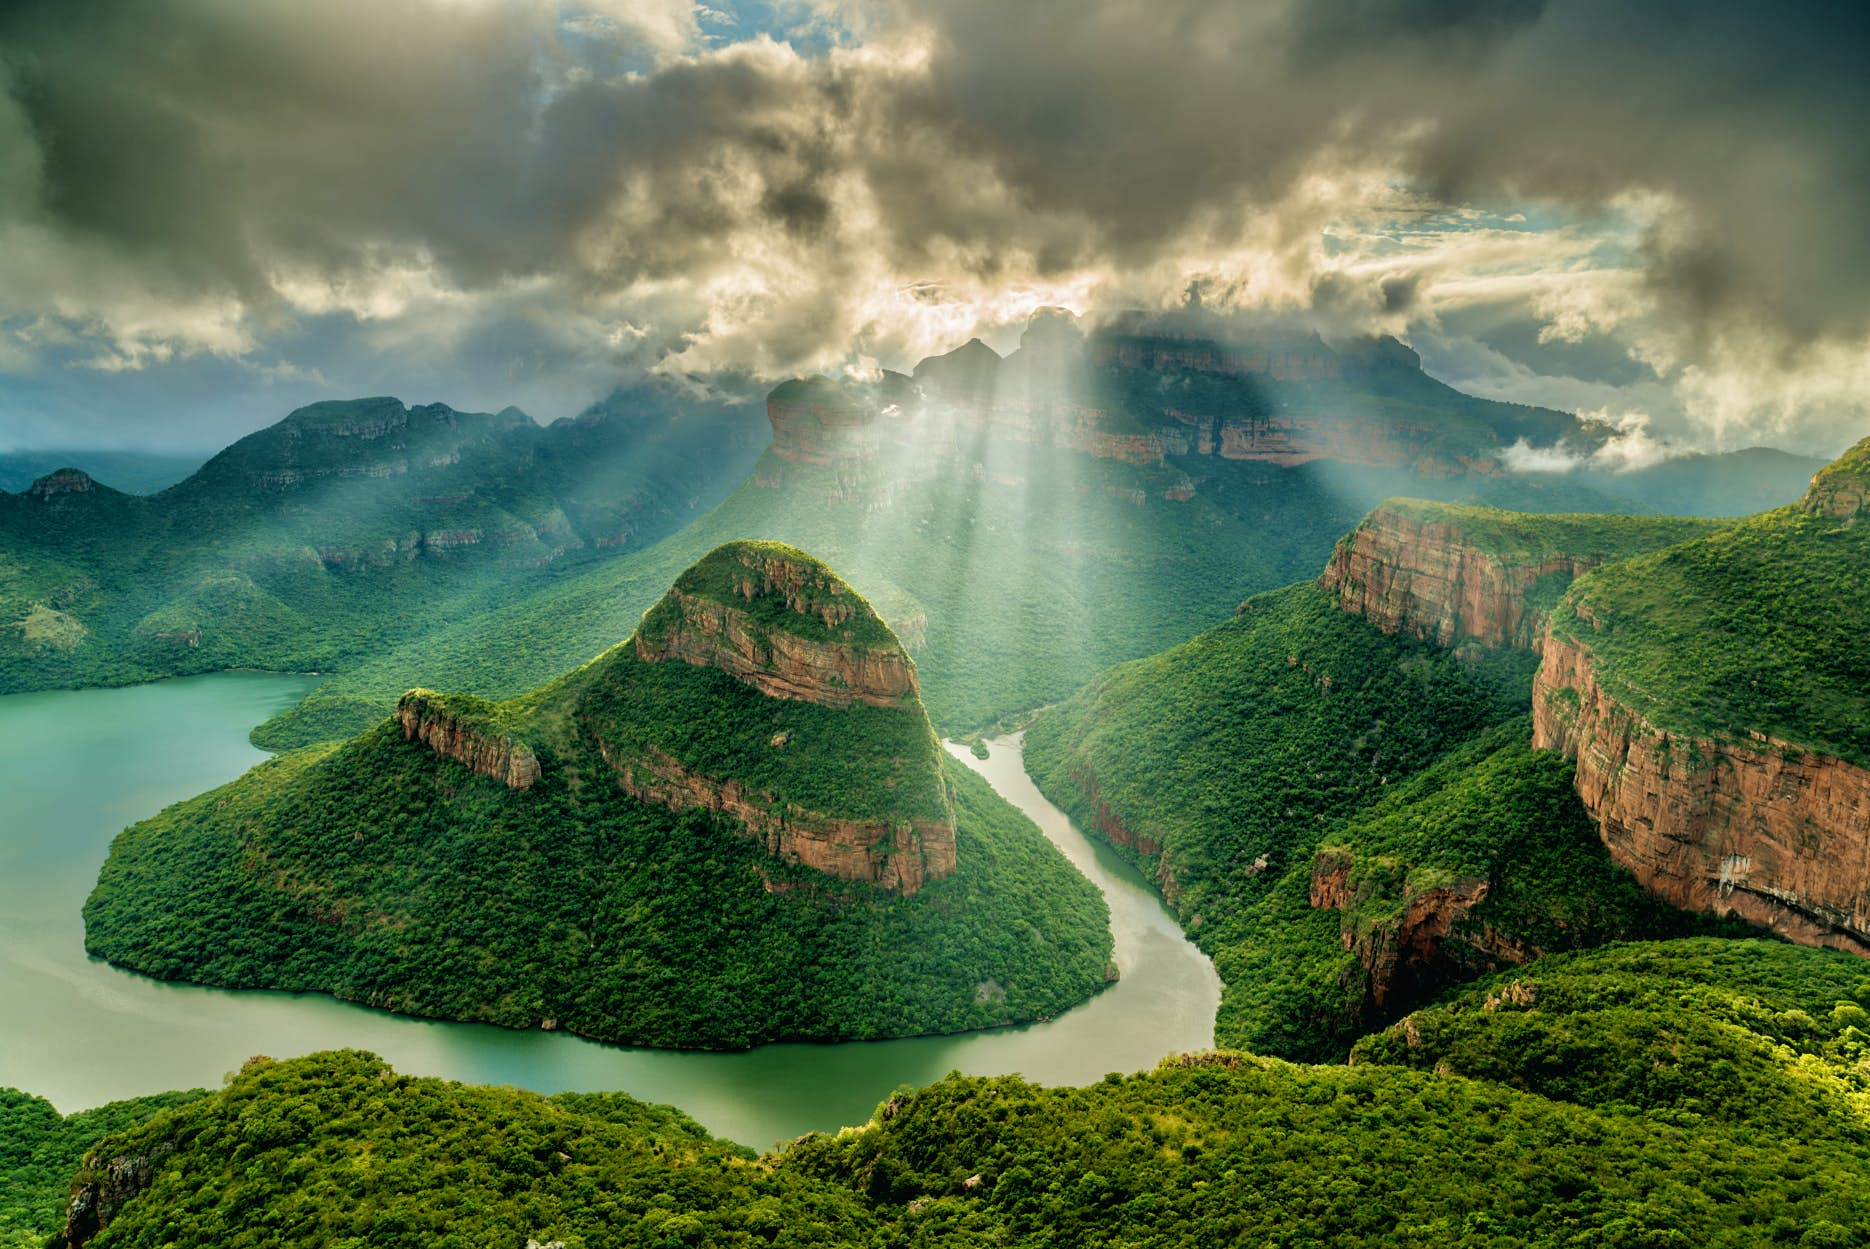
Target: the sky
(1652, 212)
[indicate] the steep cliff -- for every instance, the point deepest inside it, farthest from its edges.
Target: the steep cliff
(1450, 574)
(782, 622)
(1716, 701)
(457, 728)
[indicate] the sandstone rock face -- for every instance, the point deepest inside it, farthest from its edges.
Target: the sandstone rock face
(427, 718)
(1406, 956)
(1429, 580)
(776, 661)
(897, 855)
(1759, 828)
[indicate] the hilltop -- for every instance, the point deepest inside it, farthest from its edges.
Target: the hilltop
(735, 827)
(345, 528)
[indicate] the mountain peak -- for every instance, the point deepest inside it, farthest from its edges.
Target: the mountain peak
(780, 620)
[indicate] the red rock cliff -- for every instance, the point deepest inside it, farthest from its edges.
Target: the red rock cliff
(705, 631)
(898, 855)
(1757, 828)
(428, 718)
(1429, 579)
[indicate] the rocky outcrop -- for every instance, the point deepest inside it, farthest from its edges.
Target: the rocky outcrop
(775, 662)
(699, 626)
(817, 421)
(1429, 579)
(62, 481)
(1415, 948)
(1753, 827)
(442, 725)
(1302, 360)
(103, 1186)
(897, 855)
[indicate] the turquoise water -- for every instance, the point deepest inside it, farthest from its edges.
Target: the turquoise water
(77, 766)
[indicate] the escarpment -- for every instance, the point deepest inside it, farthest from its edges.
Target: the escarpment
(1743, 825)
(1450, 574)
(896, 854)
(1714, 700)
(785, 626)
(445, 726)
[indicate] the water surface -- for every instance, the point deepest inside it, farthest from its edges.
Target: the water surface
(77, 766)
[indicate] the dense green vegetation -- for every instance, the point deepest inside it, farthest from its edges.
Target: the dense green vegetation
(1028, 589)
(1755, 628)
(861, 761)
(383, 873)
(39, 1150)
(1657, 1095)
(342, 530)
(1705, 1033)
(1541, 535)
(1297, 739)
(337, 1150)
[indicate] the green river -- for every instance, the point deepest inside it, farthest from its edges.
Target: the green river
(77, 766)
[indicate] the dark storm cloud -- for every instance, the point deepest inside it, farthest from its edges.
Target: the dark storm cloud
(236, 150)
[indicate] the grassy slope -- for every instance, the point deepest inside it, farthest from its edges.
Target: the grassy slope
(1758, 627)
(1661, 1095)
(1298, 726)
(379, 873)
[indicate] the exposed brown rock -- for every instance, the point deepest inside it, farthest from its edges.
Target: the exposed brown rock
(1760, 828)
(779, 662)
(104, 1185)
(1405, 957)
(429, 719)
(1428, 579)
(898, 855)
(62, 481)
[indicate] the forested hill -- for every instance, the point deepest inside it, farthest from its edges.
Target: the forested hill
(346, 528)
(1655, 1095)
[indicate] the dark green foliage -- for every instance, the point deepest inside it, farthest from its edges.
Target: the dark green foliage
(1661, 1095)
(1226, 1149)
(1756, 628)
(859, 761)
(385, 875)
(39, 1150)
(1707, 1034)
(1225, 761)
(337, 1150)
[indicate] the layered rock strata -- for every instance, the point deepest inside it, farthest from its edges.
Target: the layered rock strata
(1431, 580)
(1758, 828)
(429, 718)
(707, 632)
(897, 855)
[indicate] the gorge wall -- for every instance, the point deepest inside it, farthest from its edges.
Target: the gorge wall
(1758, 828)
(1411, 572)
